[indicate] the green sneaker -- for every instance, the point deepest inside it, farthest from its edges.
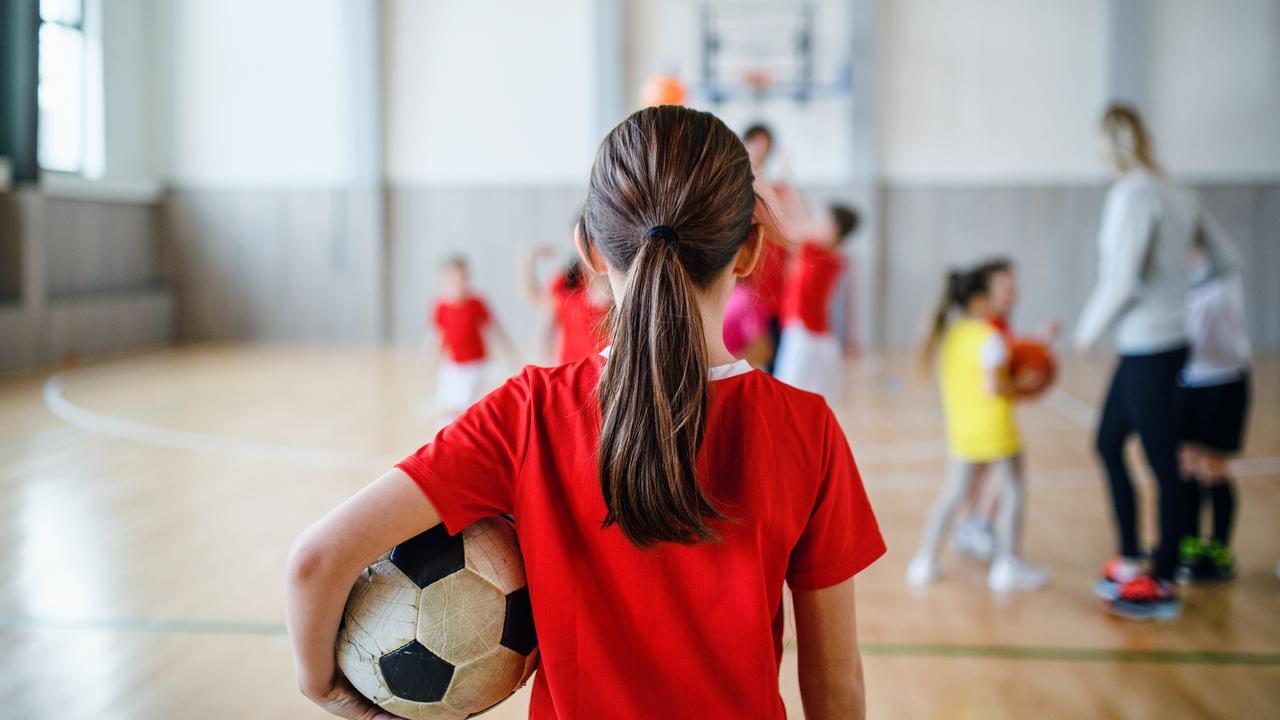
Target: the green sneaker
(1190, 550)
(1216, 563)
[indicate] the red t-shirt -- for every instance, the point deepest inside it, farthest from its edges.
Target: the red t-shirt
(461, 324)
(687, 631)
(581, 321)
(811, 282)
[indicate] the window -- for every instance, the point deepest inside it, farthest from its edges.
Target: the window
(61, 89)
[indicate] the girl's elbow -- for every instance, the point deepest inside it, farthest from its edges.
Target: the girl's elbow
(309, 562)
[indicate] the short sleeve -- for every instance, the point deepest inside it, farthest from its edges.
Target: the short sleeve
(994, 352)
(437, 315)
(841, 537)
(469, 470)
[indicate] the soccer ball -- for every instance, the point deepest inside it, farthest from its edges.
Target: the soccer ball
(441, 627)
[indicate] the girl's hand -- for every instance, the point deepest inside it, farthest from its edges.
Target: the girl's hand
(343, 700)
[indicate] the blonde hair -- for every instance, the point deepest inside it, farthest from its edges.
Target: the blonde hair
(1128, 138)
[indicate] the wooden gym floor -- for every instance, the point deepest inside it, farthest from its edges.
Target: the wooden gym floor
(147, 504)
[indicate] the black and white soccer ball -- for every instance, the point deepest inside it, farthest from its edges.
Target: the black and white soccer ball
(441, 627)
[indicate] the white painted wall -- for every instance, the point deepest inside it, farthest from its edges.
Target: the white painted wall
(129, 148)
(1213, 86)
(255, 92)
(488, 92)
(990, 90)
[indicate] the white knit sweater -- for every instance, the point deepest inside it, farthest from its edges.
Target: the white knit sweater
(1148, 225)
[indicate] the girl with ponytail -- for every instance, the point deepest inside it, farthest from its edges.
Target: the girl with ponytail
(663, 491)
(982, 434)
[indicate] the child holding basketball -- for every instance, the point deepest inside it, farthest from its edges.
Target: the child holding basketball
(1214, 398)
(809, 356)
(982, 434)
(975, 530)
(462, 319)
(663, 492)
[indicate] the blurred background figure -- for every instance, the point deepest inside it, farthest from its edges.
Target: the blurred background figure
(576, 303)
(464, 325)
(1215, 396)
(809, 354)
(1148, 229)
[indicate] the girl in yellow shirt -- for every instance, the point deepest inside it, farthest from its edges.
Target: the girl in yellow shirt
(982, 433)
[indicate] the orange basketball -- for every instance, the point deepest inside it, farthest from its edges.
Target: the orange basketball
(1032, 356)
(662, 89)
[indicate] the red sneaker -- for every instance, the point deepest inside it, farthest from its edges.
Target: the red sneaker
(1117, 572)
(1146, 598)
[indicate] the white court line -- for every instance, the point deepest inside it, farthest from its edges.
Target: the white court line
(202, 442)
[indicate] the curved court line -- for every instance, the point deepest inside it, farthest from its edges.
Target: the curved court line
(71, 413)
(880, 649)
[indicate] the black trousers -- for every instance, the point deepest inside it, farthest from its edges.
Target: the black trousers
(1143, 400)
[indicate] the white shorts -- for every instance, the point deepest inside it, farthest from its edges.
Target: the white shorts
(810, 361)
(459, 385)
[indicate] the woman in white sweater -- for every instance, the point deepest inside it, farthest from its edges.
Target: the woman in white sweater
(1148, 226)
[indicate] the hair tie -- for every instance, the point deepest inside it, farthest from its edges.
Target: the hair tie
(666, 233)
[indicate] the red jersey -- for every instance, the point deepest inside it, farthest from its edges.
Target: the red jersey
(811, 282)
(581, 321)
(461, 324)
(691, 629)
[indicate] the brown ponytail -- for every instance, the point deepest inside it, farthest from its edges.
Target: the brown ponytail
(938, 322)
(670, 202)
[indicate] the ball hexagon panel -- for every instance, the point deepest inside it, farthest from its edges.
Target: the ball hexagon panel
(482, 682)
(517, 626)
(382, 609)
(422, 711)
(493, 553)
(460, 617)
(416, 674)
(430, 556)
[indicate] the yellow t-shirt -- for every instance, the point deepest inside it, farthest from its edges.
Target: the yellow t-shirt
(980, 424)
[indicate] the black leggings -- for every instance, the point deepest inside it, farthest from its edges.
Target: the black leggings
(1142, 400)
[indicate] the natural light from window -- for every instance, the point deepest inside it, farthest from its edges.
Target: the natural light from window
(61, 90)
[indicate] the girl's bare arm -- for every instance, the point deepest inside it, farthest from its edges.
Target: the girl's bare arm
(829, 662)
(324, 564)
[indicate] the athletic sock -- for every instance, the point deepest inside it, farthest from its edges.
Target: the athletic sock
(1192, 497)
(1224, 509)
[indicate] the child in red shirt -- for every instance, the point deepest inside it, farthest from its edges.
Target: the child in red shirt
(663, 492)
(578, 303)
(809, 357)
(462, 320)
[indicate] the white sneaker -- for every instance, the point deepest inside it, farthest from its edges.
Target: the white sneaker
(922, 570)
(1012, 573)
(974, 538)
